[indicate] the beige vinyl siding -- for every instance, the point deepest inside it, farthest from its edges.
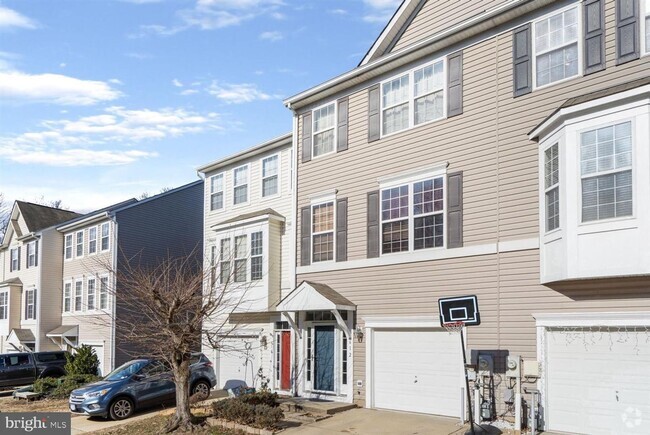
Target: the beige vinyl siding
(50, 293)
(94, 329)
(436, 16)
(273, 253)
(89, 264)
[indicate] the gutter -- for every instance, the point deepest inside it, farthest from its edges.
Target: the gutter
(83, 222)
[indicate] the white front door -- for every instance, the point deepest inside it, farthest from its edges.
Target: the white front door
(417, 370)
(598, 381)
(238, 361)
(99, 351)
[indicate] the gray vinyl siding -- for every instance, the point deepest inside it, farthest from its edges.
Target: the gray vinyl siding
(436, 16)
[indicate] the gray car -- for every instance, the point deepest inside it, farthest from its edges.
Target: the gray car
(139, 384)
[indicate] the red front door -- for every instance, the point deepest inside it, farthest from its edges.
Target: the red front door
(285, 363)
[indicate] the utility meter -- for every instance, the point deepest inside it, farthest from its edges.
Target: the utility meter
(513, 366)
(485, 365)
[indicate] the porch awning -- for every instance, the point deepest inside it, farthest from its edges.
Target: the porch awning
(64, 331)
(21, 336)
(312, 296)
(11, 282)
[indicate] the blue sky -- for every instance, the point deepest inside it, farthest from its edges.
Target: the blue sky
(101, 100)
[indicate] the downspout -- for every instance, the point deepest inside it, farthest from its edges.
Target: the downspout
(113, 279)
(205, 248)
(293, 255)
(39, 291)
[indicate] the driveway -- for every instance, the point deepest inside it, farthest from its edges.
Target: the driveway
(362, 421)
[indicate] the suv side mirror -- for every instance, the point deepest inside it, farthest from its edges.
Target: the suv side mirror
(138, 377)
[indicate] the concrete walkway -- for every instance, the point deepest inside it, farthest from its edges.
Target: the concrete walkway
(362, 421)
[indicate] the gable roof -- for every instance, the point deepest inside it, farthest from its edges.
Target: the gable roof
(38, 217)
(393, 29)
(311, 296)
(96, 214)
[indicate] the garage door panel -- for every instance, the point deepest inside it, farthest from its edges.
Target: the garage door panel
(597, 381)
(238, 362)
(417, 371)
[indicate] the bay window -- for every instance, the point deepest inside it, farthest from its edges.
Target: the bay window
(552, 187)
(256, 255)
(606, 172)
(4, 305)
(240, 185)
(324, 129)
(323, 232)
(225, 259)
(412, 216)
(216, 192)
(556, 47)
(270, 184)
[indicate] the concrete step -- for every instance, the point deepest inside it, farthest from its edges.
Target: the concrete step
(316, 407)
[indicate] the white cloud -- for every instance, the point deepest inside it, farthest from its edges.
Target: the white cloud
(116, 81)
(338, 12)
(189, 92)
(177, 83)
(10, 18)
(271, 36)
(238, 93)
(107, 138)
(62, 65)
(54, 88)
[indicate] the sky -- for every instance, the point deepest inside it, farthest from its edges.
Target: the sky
(102, 100)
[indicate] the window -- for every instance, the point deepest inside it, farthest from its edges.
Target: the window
(323, 232)
(309, 359)
(552, 187)
(79, 237)
(240, 183)
(224, 264)
(30, 304)
(31, 254)
(78, 295)
(344, 361)
(216, 192)
(92, 240)
(423, 211)
(606, 169)
(103, 292)
(556, 47)
(4, 305)
(68, 247)
(256, 256)
(67, 297)
(413, 98)
(270, 176)
(105, 229)
(646, 24)
(90, 294)
(324, 129)
(241, 248)
(213, 266)
(15, 259)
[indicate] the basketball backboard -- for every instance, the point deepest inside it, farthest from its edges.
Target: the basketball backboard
(459, 309)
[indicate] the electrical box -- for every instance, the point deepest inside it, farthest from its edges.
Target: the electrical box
(485, 365)
(531, 368)
(509, 396)
(471, 375)
(513, 366)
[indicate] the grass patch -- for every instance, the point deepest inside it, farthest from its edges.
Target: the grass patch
(9, 404)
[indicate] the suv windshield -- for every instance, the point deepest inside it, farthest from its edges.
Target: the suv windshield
(126, 370)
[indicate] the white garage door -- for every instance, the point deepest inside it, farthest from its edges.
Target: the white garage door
(238, 362)
(417, 371)
(598, 382)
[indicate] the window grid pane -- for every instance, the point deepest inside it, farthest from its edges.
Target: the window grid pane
(428, 232)
(607, 196)
(606, 149)
(428, 196)
(104, 237)
(216, 201)
(90, 294)
(323, 142)
(323, 249)
(103, 293)
(428, 92)
(551, 167)
(323, 219)
(395, 203)
(240, 270)
(270, 176)
(395, 236)
(256, 255)
(270, 186)
(78, 295)
(553, 209)
(556, 47)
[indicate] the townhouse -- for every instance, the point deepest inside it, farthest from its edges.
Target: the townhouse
(248, 230)
(498, 148)
(100, 244)
(30, 277)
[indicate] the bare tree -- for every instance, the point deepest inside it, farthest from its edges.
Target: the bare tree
(5, 214)
(54, 203)
(167, 309)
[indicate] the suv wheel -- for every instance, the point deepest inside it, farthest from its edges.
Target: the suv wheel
(121, 408)
(201, 390)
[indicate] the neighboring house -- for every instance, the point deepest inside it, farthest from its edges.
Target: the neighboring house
(98, 243)
(495, 148)
(30, 277)
(247, 237)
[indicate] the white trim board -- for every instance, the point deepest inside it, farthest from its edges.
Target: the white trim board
(550, 320)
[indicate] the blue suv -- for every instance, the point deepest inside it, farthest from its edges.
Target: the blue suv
(138, 384)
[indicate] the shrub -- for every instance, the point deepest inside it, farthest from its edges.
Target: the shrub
(83, 362)
(60, 388)
(250, 410)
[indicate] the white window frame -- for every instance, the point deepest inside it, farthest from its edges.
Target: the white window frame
(644, 12)
(244, 258)
(31, 254)
(552, 187)
(100, 292)
(31, 291)
(631, 168)
(68, 244)
(228, 260)
(334, 127)
(411, 97)
(88, 293)
(90, 240)
(101, 237)
(410, 181)
(579, 41)
(247, 184)
(14, 256)
(214, 192)
(316, 203)
(4, 305)
(77, 243)
(277, 175)
(68, 297)
(260, 256)
(75, 295)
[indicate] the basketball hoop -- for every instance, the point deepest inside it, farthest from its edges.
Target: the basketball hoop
(453, 327)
